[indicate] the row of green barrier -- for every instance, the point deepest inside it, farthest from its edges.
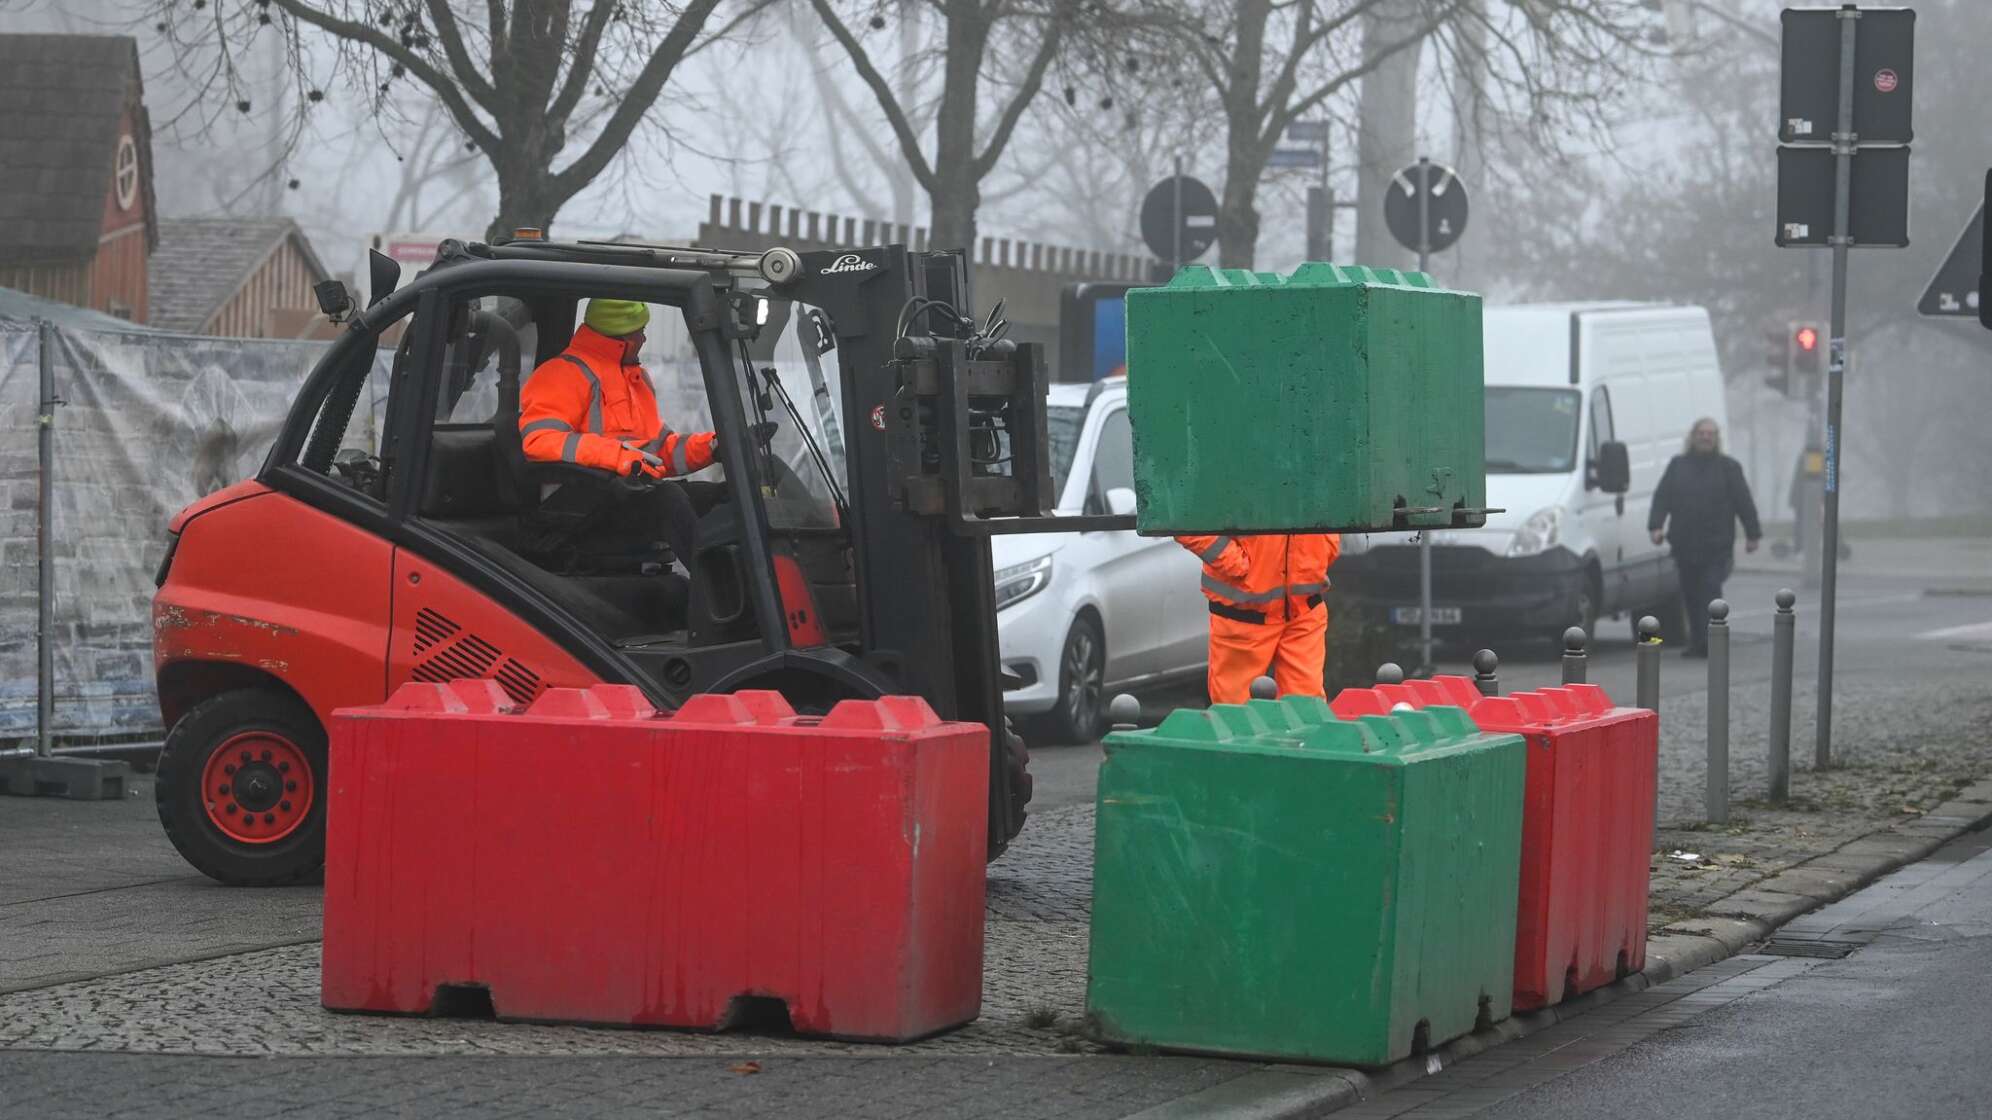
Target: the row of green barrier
(1274, 880)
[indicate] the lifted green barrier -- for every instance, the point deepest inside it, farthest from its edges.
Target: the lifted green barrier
(1271, 881)
(1336, 398)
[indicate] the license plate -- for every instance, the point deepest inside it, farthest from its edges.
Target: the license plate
(1411, 616)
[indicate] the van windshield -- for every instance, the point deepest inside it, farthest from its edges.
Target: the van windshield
(1062, 424)
(1531, 431)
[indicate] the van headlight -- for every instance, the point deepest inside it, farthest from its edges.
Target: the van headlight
(1540, 533)
(1021, 581)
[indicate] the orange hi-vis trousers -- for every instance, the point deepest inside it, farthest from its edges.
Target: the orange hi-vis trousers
(1292, 651)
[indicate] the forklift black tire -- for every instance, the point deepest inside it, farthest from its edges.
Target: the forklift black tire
(1017, 759)
(241, 789)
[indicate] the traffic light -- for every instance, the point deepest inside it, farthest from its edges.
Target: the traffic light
(1777, 355)
(1805, 347)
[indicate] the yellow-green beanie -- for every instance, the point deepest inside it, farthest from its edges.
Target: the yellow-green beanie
(617, 317)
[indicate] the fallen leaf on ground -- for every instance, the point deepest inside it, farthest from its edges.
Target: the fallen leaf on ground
(744, 1067)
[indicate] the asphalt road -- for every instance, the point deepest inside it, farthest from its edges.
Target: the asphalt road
(1898, 1029)
(1908, 611)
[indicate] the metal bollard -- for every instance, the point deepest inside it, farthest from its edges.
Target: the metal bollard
(1486, 667)
(1646, 665)
(1718, 712)
(1784, 639)
(1264, 688)
(1574, 669)
(1124, 713)
(1390, 672)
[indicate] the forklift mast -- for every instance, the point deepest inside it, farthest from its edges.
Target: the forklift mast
(945, 443)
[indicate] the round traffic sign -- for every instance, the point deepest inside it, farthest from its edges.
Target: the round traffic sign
(1885, 80)
(1445, 206)
(1179, 219)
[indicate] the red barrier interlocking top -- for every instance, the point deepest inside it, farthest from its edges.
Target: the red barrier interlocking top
(1587, 824)
(592, 860)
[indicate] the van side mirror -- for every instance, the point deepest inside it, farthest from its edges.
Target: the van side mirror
(1611, 471)
(383, 276)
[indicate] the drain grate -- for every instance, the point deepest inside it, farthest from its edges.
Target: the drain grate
(1826, 950)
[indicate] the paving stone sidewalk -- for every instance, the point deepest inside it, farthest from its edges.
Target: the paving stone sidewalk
(1909, 748)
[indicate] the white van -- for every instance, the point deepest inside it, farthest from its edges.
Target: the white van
(1565, 383)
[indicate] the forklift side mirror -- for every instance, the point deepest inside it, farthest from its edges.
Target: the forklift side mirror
(334, 299)
(383, 276)
(1120, 501)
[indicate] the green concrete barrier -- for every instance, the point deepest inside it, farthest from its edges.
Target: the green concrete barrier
(1275, 882)
(1330, 399)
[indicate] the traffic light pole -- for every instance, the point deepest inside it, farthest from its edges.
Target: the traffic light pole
(1425, 666)
(1844, 142)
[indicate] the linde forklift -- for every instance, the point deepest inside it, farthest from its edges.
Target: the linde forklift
(347, 567)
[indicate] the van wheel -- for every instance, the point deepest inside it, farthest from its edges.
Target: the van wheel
(241, 789)
(1588, 597)
(1080, 713)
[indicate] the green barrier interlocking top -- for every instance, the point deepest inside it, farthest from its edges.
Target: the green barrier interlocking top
(1272, 881)
(1327, 399)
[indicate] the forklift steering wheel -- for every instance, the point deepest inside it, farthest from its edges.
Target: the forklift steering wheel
(637, 482)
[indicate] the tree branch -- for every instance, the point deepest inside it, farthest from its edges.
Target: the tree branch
(636, 101)
(583, 65)
(895, 115)
(460, 64)
(1026, 93)
(452, 97)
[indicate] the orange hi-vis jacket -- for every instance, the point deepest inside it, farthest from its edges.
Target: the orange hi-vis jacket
(1278, 576)
(585, 406)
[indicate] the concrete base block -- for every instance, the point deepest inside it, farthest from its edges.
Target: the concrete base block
(78, 779)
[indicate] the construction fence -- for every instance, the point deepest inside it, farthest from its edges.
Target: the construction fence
(143, 423)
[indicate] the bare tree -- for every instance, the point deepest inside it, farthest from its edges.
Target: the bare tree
(964, 152)
(521, 80)
(1270, 63)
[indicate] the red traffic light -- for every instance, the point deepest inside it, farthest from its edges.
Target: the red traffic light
(1807, 339)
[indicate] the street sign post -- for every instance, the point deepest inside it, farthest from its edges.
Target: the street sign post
(1853, 67)
(1425, 209)
(1294, 157)
(1958, 288)
(1179, 219)
(1879, 207)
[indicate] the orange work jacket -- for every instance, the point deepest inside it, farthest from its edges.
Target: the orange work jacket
(584, 405)
(1280, 576)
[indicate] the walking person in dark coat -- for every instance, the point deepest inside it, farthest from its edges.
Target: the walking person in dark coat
(1703, 495)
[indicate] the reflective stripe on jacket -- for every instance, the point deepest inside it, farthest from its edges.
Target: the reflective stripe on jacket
(585, 406)
(1273, 574)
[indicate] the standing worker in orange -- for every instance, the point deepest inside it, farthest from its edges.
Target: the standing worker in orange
(1266, 613)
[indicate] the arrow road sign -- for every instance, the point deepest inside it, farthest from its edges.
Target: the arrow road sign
(1179, 219)
(1445, 209)
(1955, 290)
(1884, 75)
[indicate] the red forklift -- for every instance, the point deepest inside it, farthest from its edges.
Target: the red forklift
(841, 557)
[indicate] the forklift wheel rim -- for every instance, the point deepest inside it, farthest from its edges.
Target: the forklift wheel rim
(256, 787)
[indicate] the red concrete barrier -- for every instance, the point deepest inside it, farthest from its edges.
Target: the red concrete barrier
(1587, 825)
(591, 861)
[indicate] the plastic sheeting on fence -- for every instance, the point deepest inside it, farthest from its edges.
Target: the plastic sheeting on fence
(148, 423)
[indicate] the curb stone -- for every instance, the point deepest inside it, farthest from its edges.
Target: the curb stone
(1728, 926)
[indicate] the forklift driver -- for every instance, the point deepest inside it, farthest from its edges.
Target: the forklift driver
(593, 405)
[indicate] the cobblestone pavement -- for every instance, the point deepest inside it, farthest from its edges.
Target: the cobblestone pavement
(100, 1086)
(1034, 987)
